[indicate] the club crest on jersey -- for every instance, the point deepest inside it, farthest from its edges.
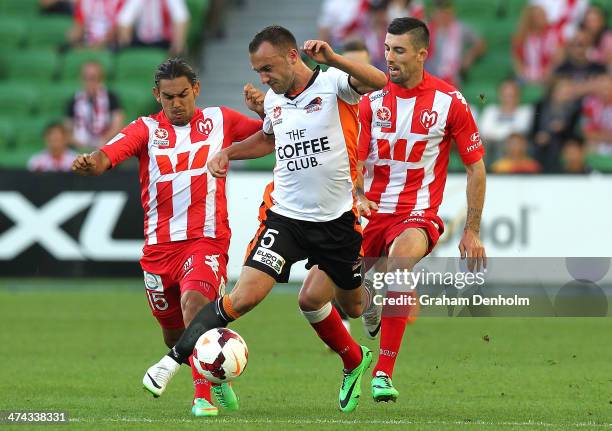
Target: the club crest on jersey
(314, 105)
(160, 138)
(428, 118)
(204, 126)
(276, 113)
(383, 115)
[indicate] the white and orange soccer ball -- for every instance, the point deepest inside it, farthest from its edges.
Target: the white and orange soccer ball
(220, 355)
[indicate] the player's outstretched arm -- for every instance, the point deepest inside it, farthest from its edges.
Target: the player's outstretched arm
(470, 245)
(95, 164)
(253, 147)
(364, 77)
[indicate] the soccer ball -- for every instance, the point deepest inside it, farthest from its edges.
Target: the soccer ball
(220, 355)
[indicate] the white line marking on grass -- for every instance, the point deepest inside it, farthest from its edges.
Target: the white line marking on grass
(231, 420)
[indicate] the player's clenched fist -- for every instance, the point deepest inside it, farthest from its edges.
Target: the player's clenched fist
(319, 51)
(217, 165)
(254, 99)
(84, 164)
(366, 206)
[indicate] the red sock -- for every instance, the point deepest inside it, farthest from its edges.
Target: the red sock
(200, 384)
(328, 325)
(391, 333)
(393, 325)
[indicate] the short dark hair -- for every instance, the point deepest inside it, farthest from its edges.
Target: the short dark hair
(275, 35)
(415, 27)
(175, 68)
(55, 124)
(354, 45)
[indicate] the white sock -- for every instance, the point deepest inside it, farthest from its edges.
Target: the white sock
(318, 315)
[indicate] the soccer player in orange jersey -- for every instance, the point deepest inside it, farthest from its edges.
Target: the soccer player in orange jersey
(311, 125)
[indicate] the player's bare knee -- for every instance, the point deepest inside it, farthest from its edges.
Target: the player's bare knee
(191, 303)
(353, 308)
(407, 249)
(309, 301)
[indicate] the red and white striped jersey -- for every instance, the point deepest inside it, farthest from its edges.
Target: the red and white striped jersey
(180, 199)
(405, 142)
(45, 162)
(98, 18)
(154, 19)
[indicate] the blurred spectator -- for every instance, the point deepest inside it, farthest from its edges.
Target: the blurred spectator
(339, 20)
(599, 36)
(57, 157)
(535, 46)
(453, 45)
(597, 115)
(65, 7)
(555, 120)
(497, 122)
(516, 160)
(402, 8)
(94, 114)
(572, 157)
(154, 23)
(564, 15)
(95, 23)
(373, 29)
(214, 19)
(576, 64)
(356, 50)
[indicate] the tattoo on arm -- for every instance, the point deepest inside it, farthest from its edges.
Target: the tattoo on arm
(473, 219)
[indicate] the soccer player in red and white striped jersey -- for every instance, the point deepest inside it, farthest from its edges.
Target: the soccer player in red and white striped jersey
(404, 146)
(186, 224)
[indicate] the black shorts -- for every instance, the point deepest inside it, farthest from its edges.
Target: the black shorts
(335, 246)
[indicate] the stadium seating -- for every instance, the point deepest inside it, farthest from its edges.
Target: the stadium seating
(137, 64)
(19, 7)
(48, 31)
(197, 11)
(17, 99)
(532, 93)
(599, 162)
(37, 65)
(38, 75)
(136, 98)
(53, 97)
(6, 134)
(492, 68)
(73, 61)
(12, 32)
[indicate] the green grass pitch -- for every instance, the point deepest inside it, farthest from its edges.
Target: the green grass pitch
(82, 346)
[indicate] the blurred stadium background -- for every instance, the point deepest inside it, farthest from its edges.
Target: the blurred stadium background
(69, 246)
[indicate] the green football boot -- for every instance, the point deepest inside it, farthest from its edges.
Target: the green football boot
(382, 388)
(201, 407)
(226, 397)
(351, 383)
